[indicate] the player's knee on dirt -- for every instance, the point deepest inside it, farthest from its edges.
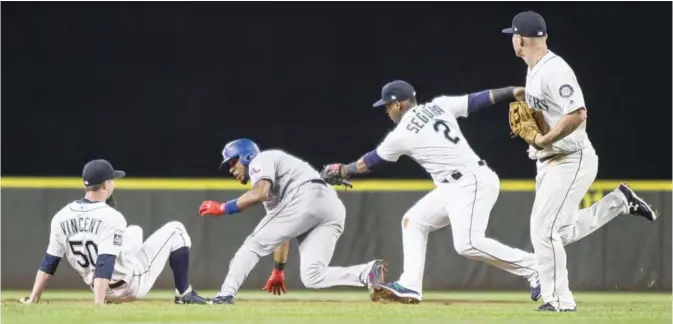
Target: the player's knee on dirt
(180, 235)
(312, 274)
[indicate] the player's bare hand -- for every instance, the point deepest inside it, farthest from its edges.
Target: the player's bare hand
(211, 208)
(276, 283)
(26, 300)
(519, 93)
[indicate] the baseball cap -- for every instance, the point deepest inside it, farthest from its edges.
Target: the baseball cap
(98, 171)
(397, 90)
(527, 24)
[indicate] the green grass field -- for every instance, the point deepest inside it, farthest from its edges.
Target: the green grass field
(61, 307)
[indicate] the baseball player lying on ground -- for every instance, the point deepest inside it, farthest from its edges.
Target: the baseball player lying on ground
(466, 188)
(552, 120)
(298, 205)
(110, 257)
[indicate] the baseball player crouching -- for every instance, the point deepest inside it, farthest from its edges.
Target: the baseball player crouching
(552, 120)
(110, 257)
(299, 204)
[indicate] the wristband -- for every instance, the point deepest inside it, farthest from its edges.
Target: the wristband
(231, 207)
(278, 266)
(350, 169)
(503, 94)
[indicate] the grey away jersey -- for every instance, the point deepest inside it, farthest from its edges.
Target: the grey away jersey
(285, 171)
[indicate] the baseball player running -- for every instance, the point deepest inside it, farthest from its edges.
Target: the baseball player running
(566, 161)
(298, 205)
(110, 257)
(466, 188)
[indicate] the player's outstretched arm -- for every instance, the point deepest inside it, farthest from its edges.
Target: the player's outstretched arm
(259, 193)
(363, 165)
(566, 125)
(337, 173)
(41, 279)
(276, 283)
(477, 101)
(47, 269)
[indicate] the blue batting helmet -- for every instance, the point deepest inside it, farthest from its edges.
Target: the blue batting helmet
(243, 149)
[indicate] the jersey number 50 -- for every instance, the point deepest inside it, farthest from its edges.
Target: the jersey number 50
(87, 251)
(447, 130)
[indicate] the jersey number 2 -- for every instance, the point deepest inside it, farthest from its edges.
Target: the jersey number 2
(87, 251)
(447, 130)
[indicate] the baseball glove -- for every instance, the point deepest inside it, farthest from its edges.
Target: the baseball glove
(526, 122)
(331, 173)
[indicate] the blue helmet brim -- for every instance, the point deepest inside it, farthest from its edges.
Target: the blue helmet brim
(227, 160)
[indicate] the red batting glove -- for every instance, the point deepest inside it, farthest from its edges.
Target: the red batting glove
(276, 283)
(211, 208)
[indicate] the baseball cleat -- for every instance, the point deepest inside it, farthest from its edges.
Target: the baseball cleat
(226, 300)
(548, 307)
(637, 206)
(376, 275)
(191, 297)
(535, 289)
(392, 291)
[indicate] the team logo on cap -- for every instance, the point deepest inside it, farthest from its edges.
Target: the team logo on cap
(565, 91)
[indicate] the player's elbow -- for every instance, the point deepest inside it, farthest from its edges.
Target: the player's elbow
(105, 264)
(582, 114)
(49, 264)
(261, 191)
(579, 115)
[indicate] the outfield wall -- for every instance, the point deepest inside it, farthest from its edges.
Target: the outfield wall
(629, 253)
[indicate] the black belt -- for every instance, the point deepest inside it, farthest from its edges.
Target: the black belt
(320, 181)
(117, 284)
(114, 285)
(456, 175)
(549, 157)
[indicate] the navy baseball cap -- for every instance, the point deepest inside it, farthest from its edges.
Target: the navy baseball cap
(98, 171)
(528, 24)
(397, 90)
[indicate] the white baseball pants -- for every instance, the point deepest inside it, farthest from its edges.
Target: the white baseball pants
(555, 221)
(148, 258)
(466, 204)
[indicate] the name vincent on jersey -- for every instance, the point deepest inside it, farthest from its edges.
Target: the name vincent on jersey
(423, 114)
(80, 224)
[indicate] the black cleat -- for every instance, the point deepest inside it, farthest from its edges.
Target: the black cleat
(548, 307)
(227, 300)
(637, 206)
(191, 297)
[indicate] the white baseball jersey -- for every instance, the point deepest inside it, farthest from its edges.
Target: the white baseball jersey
(551, 87)
(285, 171)
(430, 135)
(82, 230)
